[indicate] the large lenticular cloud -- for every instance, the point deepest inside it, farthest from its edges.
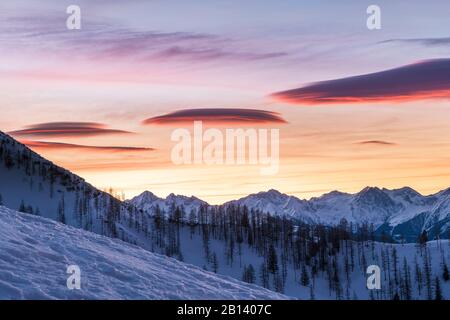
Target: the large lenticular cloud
(218, 116)
(423, 80)
(66, 129)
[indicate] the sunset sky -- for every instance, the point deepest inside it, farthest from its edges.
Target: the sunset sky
(355, 107)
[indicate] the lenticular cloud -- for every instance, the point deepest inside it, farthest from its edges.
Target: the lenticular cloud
(428, 79)
(217, 116)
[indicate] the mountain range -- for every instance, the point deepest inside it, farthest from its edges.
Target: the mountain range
(33, 184)
(402, 213)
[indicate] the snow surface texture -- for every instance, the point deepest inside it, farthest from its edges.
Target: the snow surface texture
(35, 253)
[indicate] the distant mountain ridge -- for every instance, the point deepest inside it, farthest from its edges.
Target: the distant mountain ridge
(402, 213)
(148, 202)
(32, 184)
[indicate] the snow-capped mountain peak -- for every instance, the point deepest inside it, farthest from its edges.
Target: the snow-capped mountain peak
(332, 194)
(392, 211)
(146, 196)
(374, 198)
(148, 202)
(383, 208)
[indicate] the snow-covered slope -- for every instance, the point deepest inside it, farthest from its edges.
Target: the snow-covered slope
(29, 183)
(35, 253)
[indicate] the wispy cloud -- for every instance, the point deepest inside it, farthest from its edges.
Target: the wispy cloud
(208, 54)
(64, 146)
(444, 41)
(114, 42)
(66, 129)
(376, 143)
(218, 116)
(428, 79)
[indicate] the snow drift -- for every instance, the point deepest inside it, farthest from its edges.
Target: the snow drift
(35, 253)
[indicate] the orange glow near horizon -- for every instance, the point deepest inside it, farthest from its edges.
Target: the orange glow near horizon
(103, 101)
(313, 100)
(318, 154)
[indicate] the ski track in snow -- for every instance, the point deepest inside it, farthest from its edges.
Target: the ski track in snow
(35, 253)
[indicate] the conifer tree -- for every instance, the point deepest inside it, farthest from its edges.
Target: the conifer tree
(312, 295)
(22, 207)
(406, 280)
(427, 273)
(61, 213)
(215, 263)
(437, 290)
(304, 277)
(423, 238)
(264, 275)
(272, 260)
(445, 273)
(251, 274)
(418, 273)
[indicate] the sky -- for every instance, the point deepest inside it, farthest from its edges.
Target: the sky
(354, 107)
